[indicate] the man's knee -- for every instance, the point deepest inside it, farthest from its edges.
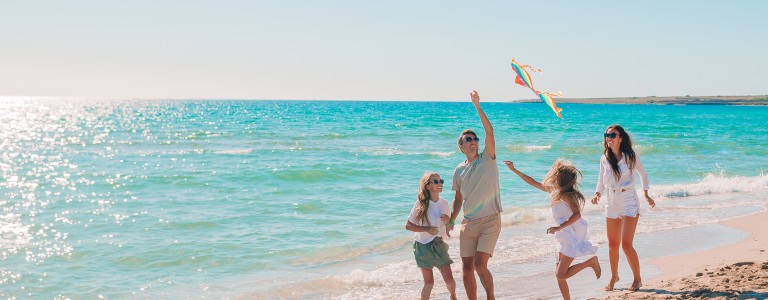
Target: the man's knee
(481, 261)
(482, 270)
(480, 266)
(467, 263)
(467, 268)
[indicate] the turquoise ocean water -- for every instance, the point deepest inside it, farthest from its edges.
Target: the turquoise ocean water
(308, 199)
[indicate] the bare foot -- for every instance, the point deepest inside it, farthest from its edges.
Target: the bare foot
(596, 266)
(614, 279)
(635, 286)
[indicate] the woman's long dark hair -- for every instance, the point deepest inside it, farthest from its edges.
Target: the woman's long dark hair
(625, 148)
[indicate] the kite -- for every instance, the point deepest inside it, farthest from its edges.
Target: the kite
(524, 79)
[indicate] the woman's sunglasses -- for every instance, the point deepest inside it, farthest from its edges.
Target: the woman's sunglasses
(435, 181)
(611, 135)
(470, 139)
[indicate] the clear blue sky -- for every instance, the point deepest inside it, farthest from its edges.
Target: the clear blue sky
(384, 50)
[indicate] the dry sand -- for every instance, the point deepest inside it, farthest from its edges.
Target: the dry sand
(736, 271)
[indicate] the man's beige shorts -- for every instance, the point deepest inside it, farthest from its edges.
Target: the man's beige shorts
(479, 235)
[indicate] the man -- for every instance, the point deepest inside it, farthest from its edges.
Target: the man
(476, 183)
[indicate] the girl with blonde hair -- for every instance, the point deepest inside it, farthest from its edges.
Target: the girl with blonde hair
(428, 219)
(562, 182)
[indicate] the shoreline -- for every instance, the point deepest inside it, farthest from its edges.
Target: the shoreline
(733, 270)
(757, 100)
(531, 278)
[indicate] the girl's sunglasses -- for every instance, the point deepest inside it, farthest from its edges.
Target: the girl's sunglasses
(435, 181)
(611, 135)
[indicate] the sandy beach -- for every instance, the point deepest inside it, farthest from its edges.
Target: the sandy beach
(735, 271)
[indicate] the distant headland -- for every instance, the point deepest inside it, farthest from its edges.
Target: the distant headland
(672, 100)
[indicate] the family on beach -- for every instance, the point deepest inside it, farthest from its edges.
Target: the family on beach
(476, 185)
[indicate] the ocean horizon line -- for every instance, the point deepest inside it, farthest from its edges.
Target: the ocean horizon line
(687, 99)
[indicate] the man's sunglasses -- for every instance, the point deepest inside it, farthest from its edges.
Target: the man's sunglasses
(470, 139)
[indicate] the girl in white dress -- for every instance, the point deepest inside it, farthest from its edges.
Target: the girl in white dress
(428, 220)
(571, 234)
(618, 166)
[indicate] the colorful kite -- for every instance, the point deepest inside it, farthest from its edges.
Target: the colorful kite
(524, 79)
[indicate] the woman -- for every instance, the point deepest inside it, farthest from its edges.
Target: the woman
(622, 209)
(428, 219)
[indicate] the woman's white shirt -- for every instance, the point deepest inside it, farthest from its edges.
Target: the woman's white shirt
(626, 181)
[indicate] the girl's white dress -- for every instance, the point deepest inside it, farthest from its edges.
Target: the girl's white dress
(572, 240)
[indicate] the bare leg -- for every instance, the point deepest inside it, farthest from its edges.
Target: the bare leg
(595, 264)
(573, 270)
(565, 271)
(561, 273)
(481, 266)
(448, 278)
(613, 229)
(468, 276)
(429, 282)
(627, 239)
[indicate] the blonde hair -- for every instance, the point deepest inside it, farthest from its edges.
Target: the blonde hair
(424, 197)
(563, 181)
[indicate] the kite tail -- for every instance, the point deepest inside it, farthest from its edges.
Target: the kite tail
(531, 68)
(515, 63)
(549, 99)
